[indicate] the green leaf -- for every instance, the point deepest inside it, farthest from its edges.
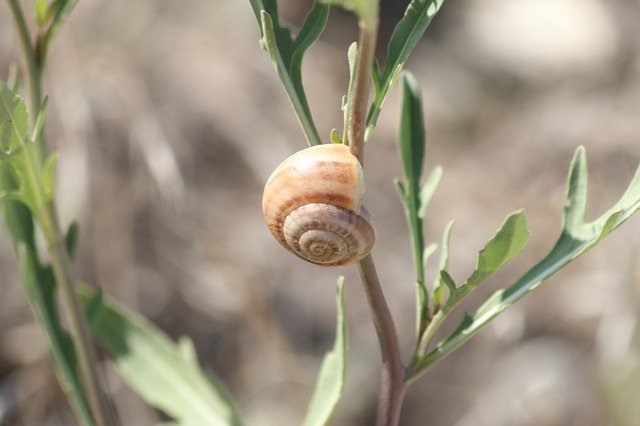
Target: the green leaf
(48, 178)
(286, 53)
(448, 281)
(13, 120)
(330, 383)
(428, 251)
(404, 39)
(402, 190)
(428, 189)
(411, 140)
(38, 280)
(439, 284)
(22, 154)
(58, 12)
(375, 76)
(508, 242)
(40, 119)
(41, 289)
(351, 58)
(576, 238)
(162, 372)
(71, 238)
(334, 137)
(41, 12)
(412, 143)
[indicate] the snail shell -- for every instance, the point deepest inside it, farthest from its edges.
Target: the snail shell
(312, 204)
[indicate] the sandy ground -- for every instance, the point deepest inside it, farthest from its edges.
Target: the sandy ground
(169, 118)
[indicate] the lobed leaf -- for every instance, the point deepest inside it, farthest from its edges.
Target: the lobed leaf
(163, 373)
(576, 238)
(13, 120)
(286, 53)
(506, 244)
(330, 382)
(404, 39)
(20, 152)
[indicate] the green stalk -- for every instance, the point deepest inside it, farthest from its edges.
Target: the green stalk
(45, 213)
(392, 386)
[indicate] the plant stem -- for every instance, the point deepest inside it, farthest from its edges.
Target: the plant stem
(359, 104)
(47, 218)
(61, 265)
(392, 386)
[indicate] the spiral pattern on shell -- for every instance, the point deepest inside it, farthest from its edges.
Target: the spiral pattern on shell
(312, 204)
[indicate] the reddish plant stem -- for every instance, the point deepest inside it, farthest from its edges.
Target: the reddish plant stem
(359, 104)
(392, 386)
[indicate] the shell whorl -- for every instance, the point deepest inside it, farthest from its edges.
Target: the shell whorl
(312, 204)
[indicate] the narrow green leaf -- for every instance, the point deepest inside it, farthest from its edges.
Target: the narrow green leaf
(404, 39)
(41, 289)
(375, 76)
(41, 12)
(412, 143)
(330, 382)
(93, 306)
(508, 242)
(40, 119)
(13, 80)
(428, 189)
(428, 252)
(334, 137)
(351, 58)
(38, 281)
(311, 30)
(438, 283)
(402, 191)
(448, 281)
(570, 246)
(576, 204)
(71, 238)
(59, 11)
(286, 53)
(157, 368)
(48, 176)
(187, 348)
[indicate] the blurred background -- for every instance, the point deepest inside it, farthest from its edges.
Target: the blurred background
(169, 118)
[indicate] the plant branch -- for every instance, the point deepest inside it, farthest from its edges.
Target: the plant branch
(32, 63)
(359, 104)
(392, 387)
(45, 212)
(61, 265)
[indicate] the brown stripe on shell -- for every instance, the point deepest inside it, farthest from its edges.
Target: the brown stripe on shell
(325, 174)
(353, 230)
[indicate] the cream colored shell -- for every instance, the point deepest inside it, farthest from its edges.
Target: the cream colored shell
(312, 204)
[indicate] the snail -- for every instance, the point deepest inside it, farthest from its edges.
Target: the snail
(312, 204)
